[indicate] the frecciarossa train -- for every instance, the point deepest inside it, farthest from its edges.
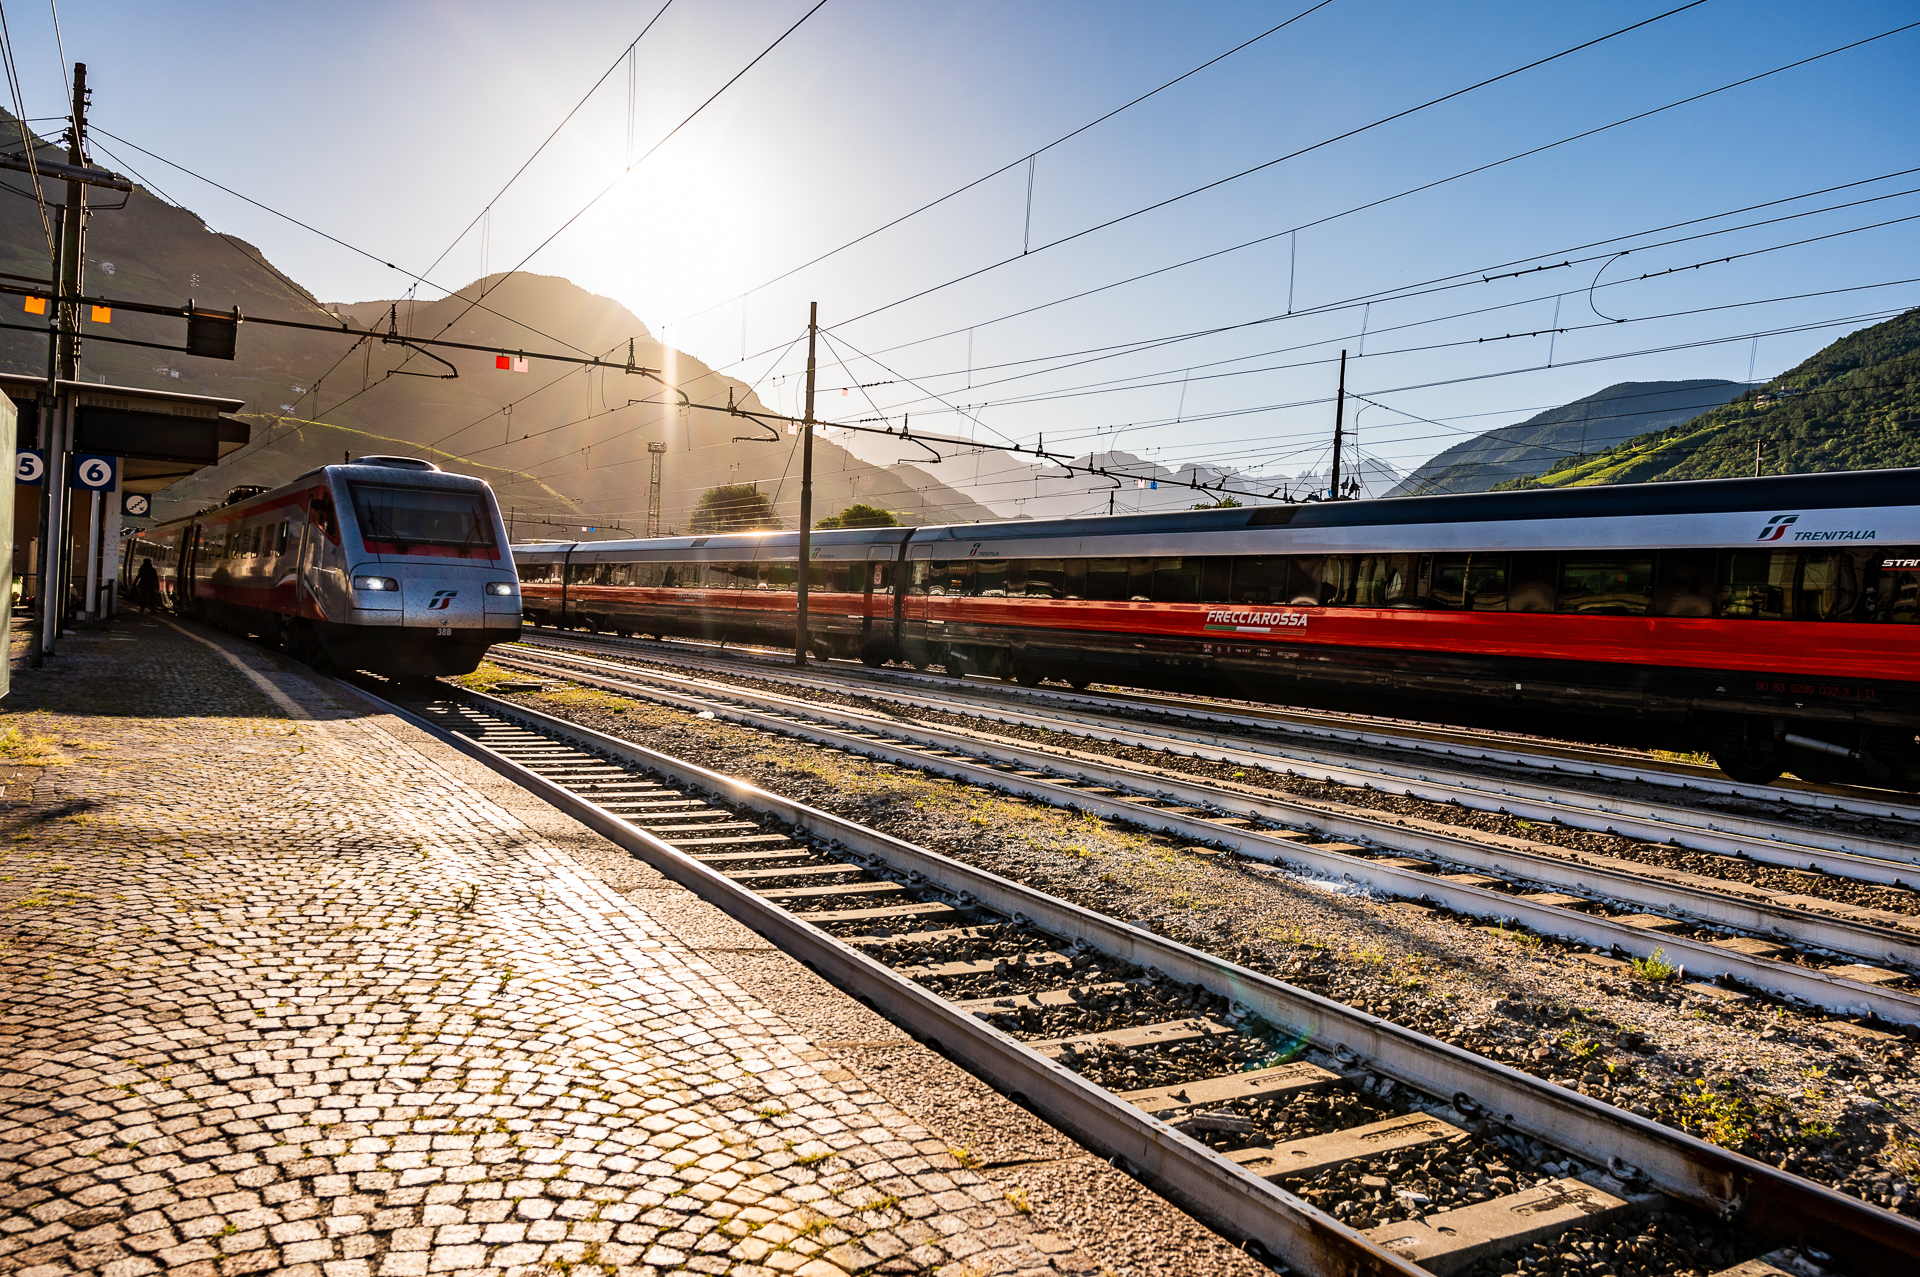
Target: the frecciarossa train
(1774, 622)
(385, 564)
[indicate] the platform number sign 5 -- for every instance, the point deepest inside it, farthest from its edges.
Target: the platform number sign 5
(29, 466)
(93, 472)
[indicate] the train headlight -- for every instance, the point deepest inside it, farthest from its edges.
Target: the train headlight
(500, 587)
(375, 583)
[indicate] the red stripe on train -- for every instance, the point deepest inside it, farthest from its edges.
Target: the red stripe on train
(1822, 649)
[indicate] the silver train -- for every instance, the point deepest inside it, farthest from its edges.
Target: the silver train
(385, 564)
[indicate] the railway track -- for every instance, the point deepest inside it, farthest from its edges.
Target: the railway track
(1839, 850)
(1801, 949)
(1330, 1140)
(1449, 750)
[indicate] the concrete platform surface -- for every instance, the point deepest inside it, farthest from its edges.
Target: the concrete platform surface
(287, 986)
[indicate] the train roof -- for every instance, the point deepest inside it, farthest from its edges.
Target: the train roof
(1836, 490)
(826, 543)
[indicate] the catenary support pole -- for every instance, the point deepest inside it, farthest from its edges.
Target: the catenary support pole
(806, 492)
(1339, 409)
(65, 364)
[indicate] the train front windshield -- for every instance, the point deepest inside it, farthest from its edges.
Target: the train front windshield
(399, 520)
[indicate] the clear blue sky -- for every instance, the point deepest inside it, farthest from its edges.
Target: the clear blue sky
(391, 125)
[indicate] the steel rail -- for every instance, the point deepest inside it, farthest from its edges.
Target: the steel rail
(1783, 979)
(1773, 1202)
(1567, 759)
(1867, 859)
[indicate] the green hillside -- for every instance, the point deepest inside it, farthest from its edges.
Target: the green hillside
(1588, 425)
(1853, 406)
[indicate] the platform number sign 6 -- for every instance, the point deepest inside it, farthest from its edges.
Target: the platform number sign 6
(29, 466)
(93, 472)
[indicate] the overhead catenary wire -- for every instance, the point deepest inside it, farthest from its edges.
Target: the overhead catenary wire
(1423, 187)
(1009, 166)
(1476, 278)
(1268, 164)
(1072, 464)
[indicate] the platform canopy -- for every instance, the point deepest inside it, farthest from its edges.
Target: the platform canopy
(161, 436)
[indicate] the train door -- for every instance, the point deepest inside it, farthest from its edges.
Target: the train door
(911, 582)
(876, 601)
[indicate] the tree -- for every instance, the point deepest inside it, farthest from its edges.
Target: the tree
(733, 507)
(1224, 503)
(860, 515)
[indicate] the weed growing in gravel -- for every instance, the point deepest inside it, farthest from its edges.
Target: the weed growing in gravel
(587, 698)
(1018, 1198)
(965, 1156)
(484, 678)
(1902, 1157)
(1655, 968)
(1816, 1131)
(1717, 1116)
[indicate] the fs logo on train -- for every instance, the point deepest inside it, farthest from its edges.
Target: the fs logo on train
(442, 600)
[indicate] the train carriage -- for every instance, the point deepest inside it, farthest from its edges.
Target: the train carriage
(386, 564)
(1773, 622)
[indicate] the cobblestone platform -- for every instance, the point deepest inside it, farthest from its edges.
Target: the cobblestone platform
(287, 986)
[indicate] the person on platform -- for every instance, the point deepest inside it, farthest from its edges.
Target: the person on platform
(147, 583)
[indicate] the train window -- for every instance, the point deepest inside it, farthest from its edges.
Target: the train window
(1318, 581)
(1076, 578)
(1829, 586)
(286, 527)
(1531, 582)
(1140, 580)
(407, 517)
(1176, 580)
(1475, 582)
(674, 576)
(1385, 580)
(1261, 579)
(620, 574)
(536, 571)
(990, 578)
(1684, 584)
(1487, 583)
(1614, 585)
(1107, 579)
(1215, 579)
(919, 573)
(1757, 584)
(1447, 581)
(579, 573)
(950, 578)
(780, 576)
(1046, 579)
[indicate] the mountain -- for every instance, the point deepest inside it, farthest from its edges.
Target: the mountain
(1599, 421)
(562, 447)
(1853, 406)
